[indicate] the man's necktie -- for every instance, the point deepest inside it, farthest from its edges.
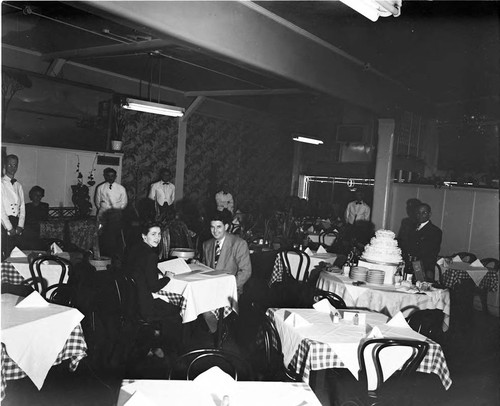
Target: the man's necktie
(13, 180)
(110, 185)
(217, 253)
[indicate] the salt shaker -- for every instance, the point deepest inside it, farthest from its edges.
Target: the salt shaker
(355, 319)
(225, 401)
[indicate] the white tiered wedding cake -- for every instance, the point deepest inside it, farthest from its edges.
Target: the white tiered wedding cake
(382, 254)
(383, 248)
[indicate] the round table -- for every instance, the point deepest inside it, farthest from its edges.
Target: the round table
(385, 298)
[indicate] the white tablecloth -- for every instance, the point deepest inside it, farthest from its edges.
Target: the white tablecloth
(202, 291)
(50, 270)
(188, 393)
(385, 298)
(34, 336)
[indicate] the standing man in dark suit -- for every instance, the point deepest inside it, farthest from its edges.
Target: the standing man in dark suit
(226, 252)
(424, 242)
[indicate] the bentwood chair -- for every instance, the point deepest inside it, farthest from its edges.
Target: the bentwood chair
(334, 299)
(371, 375)
(301, 273)
(58, 293)
(428, 322)
(294, 290)
(191, 364)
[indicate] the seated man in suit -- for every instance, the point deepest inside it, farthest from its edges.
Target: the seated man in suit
(424, 242)
(226, 252)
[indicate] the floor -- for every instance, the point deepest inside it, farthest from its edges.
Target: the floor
(473, 358)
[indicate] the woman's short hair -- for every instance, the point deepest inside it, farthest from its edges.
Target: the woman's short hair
(36, 189)
(145, 227)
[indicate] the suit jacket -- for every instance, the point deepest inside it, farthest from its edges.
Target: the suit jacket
(142, 265)
(234, 258)
(425, 245)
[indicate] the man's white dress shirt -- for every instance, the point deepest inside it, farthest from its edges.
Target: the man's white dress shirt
(12, 203)
(162, 192)
(114, 197)
(357, 211)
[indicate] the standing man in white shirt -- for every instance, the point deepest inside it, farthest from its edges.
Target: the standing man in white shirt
(162, 192)
(110, 200)
(357, 210)
(13, 211)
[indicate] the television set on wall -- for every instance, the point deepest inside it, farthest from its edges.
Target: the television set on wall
(352, 133)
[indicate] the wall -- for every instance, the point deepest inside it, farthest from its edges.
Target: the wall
(253, 160)
(54, 169)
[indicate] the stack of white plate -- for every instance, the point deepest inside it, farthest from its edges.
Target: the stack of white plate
(358, 273)
(375, 276)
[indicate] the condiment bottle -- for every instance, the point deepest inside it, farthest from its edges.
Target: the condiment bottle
(355, 319)
(398, 277)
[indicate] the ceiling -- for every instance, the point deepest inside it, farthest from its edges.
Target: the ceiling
(445, 54)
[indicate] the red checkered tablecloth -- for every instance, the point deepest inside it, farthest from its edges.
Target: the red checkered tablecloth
(10, 274)
(313, 355)
(75, 349)
(452, 276)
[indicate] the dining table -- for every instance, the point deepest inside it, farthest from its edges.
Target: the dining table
(387, 299)
(36, 335)
(312, 341)
(201, 290)
(456, 271)
(242, 393)
(15, 270)
(315, 259)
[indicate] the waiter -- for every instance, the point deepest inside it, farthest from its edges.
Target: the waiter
(357, 210)
(13, 211)
(162, 193)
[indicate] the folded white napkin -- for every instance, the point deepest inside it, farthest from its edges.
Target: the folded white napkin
(477, 264)
(17, 253)
(398, 321)
(374, 333)
(321, 250)
(55, 249)
(456, 258)
(33, 300)
(140, 399)
(296, 320)
(324, 306)
(217, 383)
(308, 251)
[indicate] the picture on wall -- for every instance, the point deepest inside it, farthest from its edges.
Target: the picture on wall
(39, 110)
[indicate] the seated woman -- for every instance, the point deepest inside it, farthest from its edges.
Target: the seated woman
(141, 264)
(36, 211)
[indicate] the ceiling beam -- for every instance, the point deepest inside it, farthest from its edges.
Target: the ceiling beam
(235, 31)
(257, 92)
(116, 49)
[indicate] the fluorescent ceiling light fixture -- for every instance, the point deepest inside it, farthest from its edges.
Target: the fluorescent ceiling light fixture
(308, 140)
(153, 108)
(373, 9)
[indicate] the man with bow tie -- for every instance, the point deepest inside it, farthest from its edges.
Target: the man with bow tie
(357, 210)
(424, 241)
(110, 200)
(13, 210)
(162, 192)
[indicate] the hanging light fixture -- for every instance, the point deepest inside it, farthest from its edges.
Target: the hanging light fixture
(373, 9)
(308, 140)
(151, 107)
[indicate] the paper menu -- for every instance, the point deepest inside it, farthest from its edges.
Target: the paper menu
(175, 266)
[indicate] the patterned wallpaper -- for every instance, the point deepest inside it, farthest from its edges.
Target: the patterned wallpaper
(253, 160)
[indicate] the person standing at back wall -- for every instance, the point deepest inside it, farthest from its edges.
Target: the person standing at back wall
(110, 200)
(13, 210)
